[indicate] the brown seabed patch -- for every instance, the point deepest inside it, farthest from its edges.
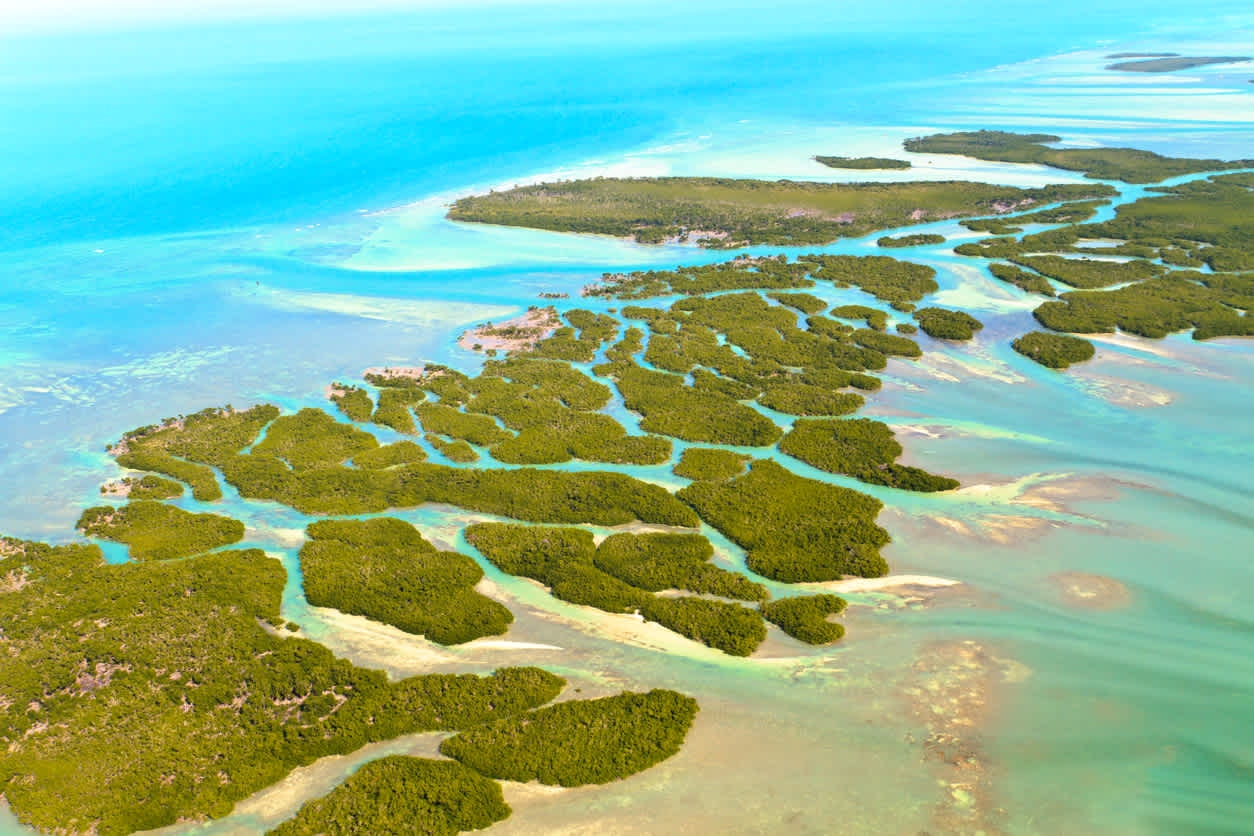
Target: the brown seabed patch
(952, 691)
(1090, 592)
(1002, 529)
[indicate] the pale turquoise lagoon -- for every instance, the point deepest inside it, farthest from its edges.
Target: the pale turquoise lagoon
(183, 225)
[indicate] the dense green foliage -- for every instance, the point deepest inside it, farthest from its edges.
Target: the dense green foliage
(536, 495)
(887, 343)
(201, 479)
(742, 273)
(393, 409)
(946, 324)
(551, 406)
(861, 162)
(669, 407)
(1201, 222)
(355, 402)
(455, 451)
(702, 464)
(807, 303)
(402, 795)
(660, 561)
(804, 399)
(727, 213)
(209, 437)
(579, 742)
(907, 328)
(312, 439)
(383, 569)
(160, 681)
(559, 558)
(861, 448)
(1022, 279)
(900, 283)
(206, 436)
(1089, 273)
(805, 617)
(442, 419)
(794, 529)
(1212, 219)
(622, 574)
(1054, 351)
(919, 240)
(731, 628)
(390, 455)
(874, 318)
(578, 343)
(1074, 212)
(156, 531)
(1208, 303)
(1127, 164)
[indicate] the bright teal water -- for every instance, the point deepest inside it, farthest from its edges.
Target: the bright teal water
(181, 225)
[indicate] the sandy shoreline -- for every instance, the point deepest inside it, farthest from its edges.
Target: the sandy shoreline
(520, 332)
(889, 582)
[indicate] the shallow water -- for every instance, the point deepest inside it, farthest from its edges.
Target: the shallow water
(139, 282)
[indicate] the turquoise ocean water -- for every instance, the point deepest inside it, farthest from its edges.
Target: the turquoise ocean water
(193, 215)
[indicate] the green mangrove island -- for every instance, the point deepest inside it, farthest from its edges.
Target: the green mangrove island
(403, 795)
(383, 569)
(1127, 164)
(862, 162)
(805, 617)
(921, 239)
(1122, 268)
(1171, 63)
(579, 742)
(727, 213)
(1055, 351)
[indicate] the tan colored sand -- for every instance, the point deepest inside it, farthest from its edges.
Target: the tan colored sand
(14, 581)
(521, 332)
(401, 372)
(889, 582)
(118, 488)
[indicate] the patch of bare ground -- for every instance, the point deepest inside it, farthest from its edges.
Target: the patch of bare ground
(118, 487)
(400, 373)
(521, 332)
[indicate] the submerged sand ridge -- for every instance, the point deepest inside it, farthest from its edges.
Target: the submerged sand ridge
(952, 692)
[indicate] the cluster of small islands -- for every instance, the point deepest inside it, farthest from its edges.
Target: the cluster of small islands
(169, 687)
